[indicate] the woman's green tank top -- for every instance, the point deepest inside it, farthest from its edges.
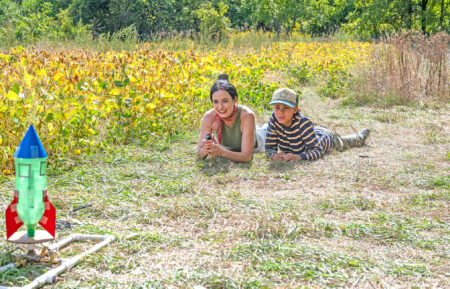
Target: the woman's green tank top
(232, 136)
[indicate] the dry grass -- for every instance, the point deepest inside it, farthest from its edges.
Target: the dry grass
(371, 217)
(406, 68)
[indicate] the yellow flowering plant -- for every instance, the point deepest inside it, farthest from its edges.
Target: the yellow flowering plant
(80, 100)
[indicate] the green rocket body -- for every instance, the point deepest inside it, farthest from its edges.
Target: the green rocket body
(30, 205)
(31, 181)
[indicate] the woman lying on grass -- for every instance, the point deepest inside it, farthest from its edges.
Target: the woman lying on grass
(235, 136)
(291, 136)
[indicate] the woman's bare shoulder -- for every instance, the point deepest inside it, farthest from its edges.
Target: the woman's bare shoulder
(247, 112)
(209, 115)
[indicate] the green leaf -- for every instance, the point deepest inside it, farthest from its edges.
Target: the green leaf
(16, 88)
(64, 132)
(103, 84)
(49, 117)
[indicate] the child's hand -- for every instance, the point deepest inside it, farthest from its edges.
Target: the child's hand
(292, 157)
(278, 157)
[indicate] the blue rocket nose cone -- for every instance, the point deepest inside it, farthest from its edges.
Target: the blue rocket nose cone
(30, 147)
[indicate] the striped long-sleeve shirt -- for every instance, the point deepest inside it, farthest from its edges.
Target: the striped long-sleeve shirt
(299, 138)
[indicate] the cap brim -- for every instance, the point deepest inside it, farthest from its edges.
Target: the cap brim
(290, 104)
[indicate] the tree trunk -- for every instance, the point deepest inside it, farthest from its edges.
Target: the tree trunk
(410, 15)
(441, 17)
(423, 5)
(294, 21)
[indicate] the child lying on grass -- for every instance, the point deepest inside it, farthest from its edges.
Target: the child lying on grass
(291, 136)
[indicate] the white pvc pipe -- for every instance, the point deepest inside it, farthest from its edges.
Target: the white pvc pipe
(6, 267)
(50, 276)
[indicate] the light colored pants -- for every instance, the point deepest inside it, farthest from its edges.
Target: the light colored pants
(260, 135)
(342, 143)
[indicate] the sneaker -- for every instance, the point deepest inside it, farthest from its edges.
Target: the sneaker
(365, 134)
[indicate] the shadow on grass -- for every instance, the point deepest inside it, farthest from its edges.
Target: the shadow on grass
(280, 166)
(214, 166)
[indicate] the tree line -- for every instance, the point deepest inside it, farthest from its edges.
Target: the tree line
(365, 19)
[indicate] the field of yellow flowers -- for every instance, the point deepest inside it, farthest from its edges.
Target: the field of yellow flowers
(81, 100)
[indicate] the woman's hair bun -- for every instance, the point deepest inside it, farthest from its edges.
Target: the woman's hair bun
(223, 83)
(223, 77)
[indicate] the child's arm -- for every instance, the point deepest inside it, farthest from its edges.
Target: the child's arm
(271, 139)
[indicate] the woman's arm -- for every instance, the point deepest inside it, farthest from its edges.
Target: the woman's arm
(248, 126)
(204, 146)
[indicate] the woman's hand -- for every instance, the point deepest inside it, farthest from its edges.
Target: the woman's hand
(205, 147)
(215, 149)
(210, 147)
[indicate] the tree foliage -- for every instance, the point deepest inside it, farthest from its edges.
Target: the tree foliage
(379, 17)
(33, 19)
(213, 24)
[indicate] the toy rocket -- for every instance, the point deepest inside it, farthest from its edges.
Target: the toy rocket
(30, 205)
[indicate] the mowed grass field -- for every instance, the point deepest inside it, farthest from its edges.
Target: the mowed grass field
(370, 217)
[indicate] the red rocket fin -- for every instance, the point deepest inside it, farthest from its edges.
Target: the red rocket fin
(13, 222)
(48, 219)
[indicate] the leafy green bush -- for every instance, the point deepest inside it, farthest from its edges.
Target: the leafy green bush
(214, 25)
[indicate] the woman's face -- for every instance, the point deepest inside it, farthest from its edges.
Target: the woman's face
(223, 103)
(284, 114)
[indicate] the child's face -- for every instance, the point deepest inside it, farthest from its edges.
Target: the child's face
(284, 114)
(223, 103)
